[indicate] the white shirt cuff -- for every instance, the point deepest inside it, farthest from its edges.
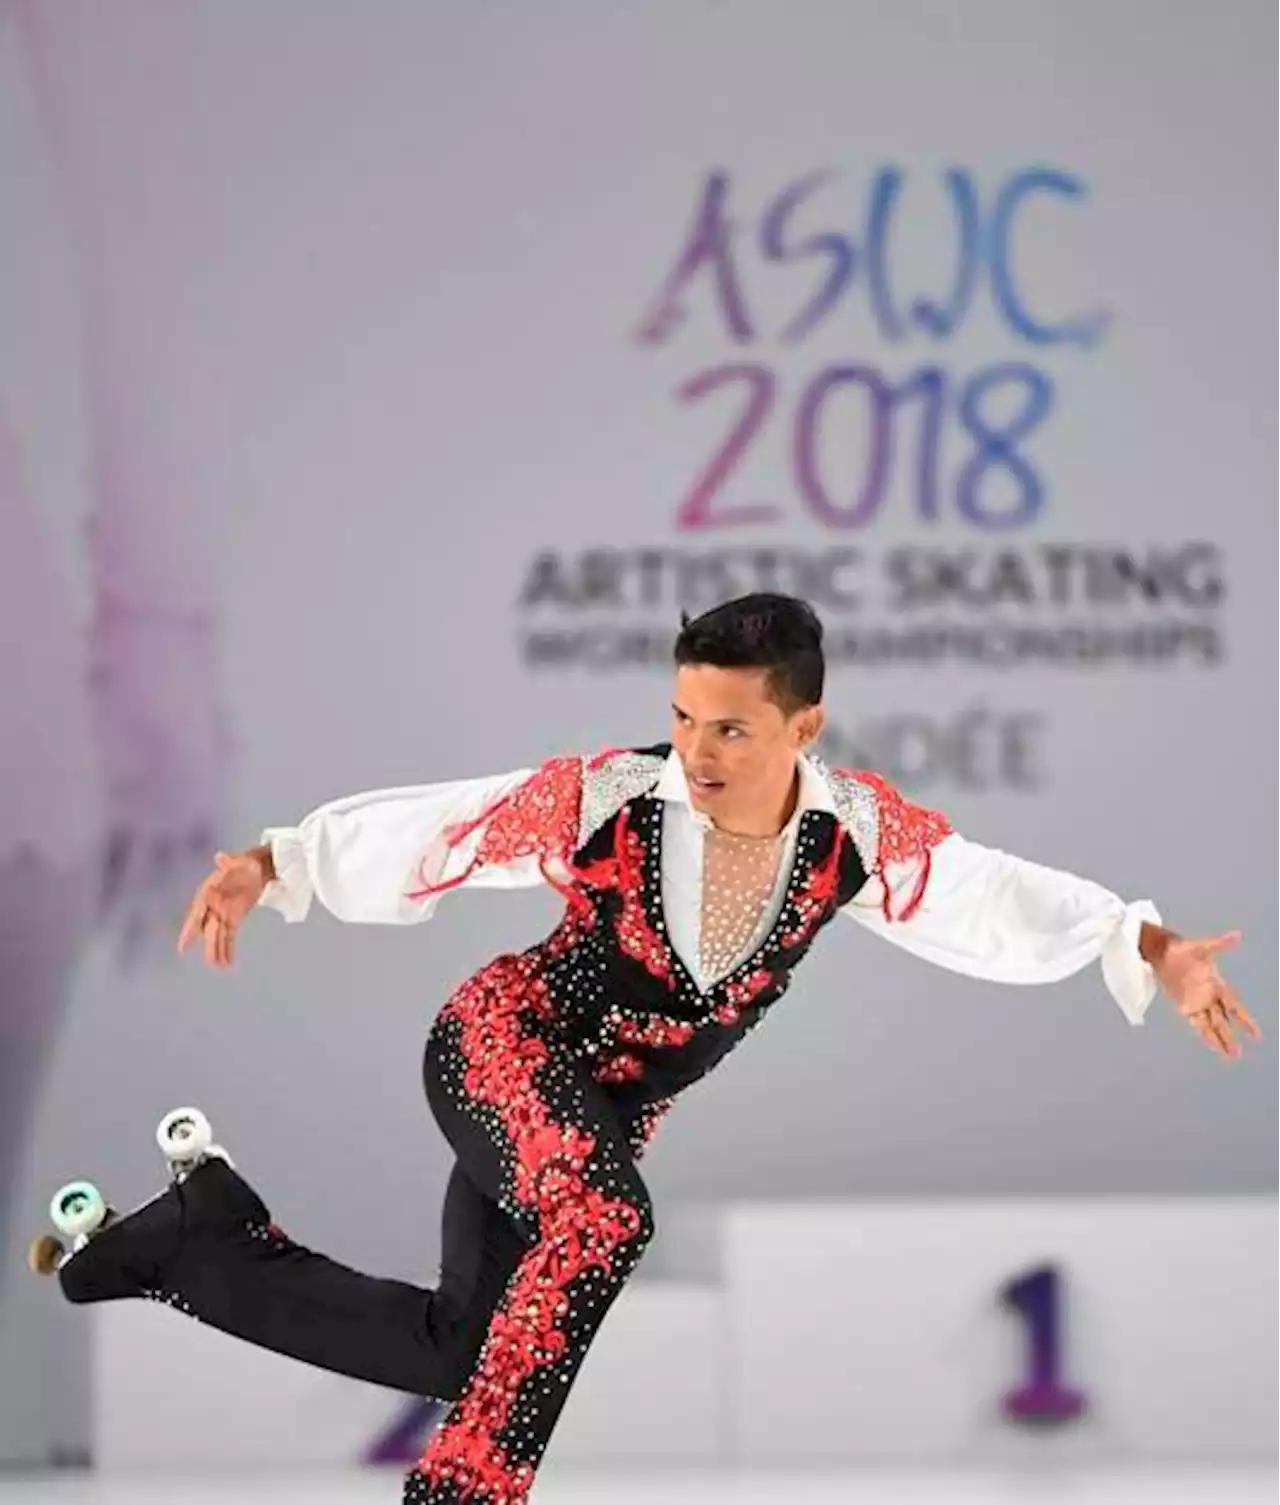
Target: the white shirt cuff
(1130, 979)
(290, 893)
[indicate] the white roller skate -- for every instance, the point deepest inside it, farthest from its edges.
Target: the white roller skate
(79, 1211)
(186, 1141)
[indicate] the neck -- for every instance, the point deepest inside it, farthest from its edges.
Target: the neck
(771, 813)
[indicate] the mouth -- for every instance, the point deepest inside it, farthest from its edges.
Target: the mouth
(703, 785)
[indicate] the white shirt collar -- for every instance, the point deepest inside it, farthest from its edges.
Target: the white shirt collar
(814, 791)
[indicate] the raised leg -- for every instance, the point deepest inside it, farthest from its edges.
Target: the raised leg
(208, 1248)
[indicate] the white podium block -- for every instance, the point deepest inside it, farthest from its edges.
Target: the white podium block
(838, 1335)
(875, 1332)
(654, 1388)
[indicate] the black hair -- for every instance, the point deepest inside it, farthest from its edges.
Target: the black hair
(779, 634)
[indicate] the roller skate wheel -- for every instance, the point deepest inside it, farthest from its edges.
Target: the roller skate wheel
(78, 1209)
(45, 1254)
(184, 1134)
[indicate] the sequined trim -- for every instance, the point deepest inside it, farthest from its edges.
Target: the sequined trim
(886, 828)
(550, 816)
(645, 1125)
(580, 1228)
(906, 829)
(610, 781)
(623, 1067)
(169, 1298)
(857, 810)
(656, 1032)
(741, 995)
(636, 936)
(816, 895)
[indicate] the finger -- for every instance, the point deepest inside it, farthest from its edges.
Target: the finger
(191, 925)
(187, 931)
(231, 944)
(1224, 1040)
(200, 904)
(221, 860)
(1201, 1020)
(1238, 1012)
(225, 933)
(1210, 1040)
(1224, 942)
(212, 925)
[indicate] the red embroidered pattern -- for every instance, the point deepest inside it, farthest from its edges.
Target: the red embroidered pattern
(620, 1068)
(580, 1228)
(740, 995)
(635, 935)
(819, 891)
(660, 1033)
(578, 921)
(539, 818)
(908, 833)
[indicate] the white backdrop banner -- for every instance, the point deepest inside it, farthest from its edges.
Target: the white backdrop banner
(378, 385)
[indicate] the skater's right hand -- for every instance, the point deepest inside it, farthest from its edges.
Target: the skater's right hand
(222, 902)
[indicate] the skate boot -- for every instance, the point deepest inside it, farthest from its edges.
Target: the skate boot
(206, 1247)
(108, 1254)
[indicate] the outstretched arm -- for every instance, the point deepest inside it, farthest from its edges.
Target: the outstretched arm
(991, 915)
(386, 857)
(366, 857)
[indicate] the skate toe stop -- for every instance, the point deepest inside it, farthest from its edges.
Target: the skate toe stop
(45, 1254)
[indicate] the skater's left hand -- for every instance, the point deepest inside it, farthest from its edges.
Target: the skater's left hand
(1188, 972)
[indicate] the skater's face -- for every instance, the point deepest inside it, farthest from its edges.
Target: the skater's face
(738, 746)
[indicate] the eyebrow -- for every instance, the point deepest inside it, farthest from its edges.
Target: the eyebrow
(720, 721)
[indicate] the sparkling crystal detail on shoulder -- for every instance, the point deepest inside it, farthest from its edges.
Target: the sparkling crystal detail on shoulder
(857, 810)
(886, 828)
(610, 781)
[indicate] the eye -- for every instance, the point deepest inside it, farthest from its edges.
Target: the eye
(731, 732)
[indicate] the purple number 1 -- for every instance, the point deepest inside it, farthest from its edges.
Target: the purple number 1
(1042, 1397)
(405, 1439)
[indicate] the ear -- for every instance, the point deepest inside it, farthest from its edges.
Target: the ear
(808, 725)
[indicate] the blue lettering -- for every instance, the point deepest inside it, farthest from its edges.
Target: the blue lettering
(1085, 330)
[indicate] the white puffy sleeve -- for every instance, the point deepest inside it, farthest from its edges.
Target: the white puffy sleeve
(365, 855)
(994, 916)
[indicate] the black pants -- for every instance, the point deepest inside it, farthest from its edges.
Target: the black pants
(545, 1217)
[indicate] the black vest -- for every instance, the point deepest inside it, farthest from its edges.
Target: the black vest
(622, 996)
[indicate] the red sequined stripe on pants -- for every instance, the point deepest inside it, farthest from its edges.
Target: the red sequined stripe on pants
(587, 1213)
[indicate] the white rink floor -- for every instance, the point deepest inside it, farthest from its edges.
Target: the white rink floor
(1174, 1486)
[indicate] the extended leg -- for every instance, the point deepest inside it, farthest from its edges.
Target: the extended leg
(208, 1248)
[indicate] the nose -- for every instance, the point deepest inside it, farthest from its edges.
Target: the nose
(699, 757)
